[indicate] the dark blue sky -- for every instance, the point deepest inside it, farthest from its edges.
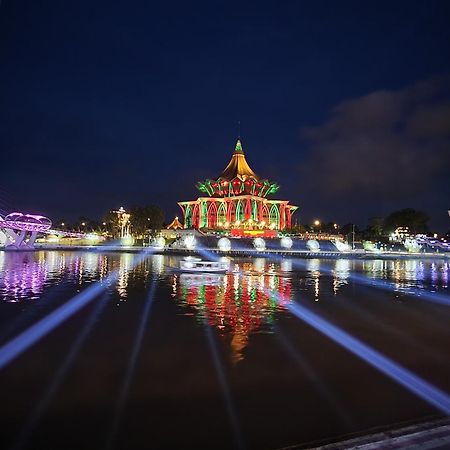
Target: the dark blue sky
(345, 104)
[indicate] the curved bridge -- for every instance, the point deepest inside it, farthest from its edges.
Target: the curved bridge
(21, 229)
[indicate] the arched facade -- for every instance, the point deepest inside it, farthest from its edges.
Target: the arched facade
(237, 198)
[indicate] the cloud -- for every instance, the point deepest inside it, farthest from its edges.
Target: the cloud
(385, 144)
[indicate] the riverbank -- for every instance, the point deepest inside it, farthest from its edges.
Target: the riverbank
(357, 254)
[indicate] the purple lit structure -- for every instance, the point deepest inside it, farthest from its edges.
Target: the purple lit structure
(433, 243)
(22, 229)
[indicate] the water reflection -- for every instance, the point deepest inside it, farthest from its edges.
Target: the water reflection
(237, 304)
(21, 276)
(408, 272)
(243, 303)
(341, 274)
(25, 275)
(125, 265)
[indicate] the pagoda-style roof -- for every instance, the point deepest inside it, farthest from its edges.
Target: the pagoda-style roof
(238, 166)
(237, 179)
(175, 225)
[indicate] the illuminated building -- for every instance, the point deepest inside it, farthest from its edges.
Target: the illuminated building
(175, 225)
(237, 200)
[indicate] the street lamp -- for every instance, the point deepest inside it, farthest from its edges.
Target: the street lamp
(316, 226)
(353, 236)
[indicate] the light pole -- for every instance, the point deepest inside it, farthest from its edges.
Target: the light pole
(317, 225)
(353, 236)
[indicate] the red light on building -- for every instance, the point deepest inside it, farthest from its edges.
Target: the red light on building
(243, 205)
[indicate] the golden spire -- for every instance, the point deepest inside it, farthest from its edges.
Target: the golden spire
(238, 166)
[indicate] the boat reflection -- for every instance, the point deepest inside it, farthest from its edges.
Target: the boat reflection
(237, 304)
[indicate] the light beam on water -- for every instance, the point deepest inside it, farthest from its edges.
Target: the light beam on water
(137, 344)
(59, 376)
(313, 377)
(435, 297)
(16, 346)
(218, 366)
(412, 382)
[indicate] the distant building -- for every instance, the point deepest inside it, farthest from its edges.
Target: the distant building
(400, 234)
(175, 225)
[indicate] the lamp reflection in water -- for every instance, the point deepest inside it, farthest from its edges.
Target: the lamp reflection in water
(128, 269)
(313, 267)
(125, 264)
(24, 276)
(236, 306)
(341, 273)
(409, 273)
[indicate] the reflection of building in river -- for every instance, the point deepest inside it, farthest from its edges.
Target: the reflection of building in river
(313, 267)
(236, 304)
(125, 265)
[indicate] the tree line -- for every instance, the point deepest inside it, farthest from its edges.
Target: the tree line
(141, 218)
(151, 217)
(378, 228)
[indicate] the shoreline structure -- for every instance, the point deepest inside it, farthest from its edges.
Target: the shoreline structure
(302, 254)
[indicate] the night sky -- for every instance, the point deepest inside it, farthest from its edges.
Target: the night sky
(345, 104)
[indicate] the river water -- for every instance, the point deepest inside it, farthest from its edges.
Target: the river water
(163, 359)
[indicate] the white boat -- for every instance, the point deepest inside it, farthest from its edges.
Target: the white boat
(196, 265)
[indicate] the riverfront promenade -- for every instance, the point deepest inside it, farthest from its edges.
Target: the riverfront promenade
(293, 253)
